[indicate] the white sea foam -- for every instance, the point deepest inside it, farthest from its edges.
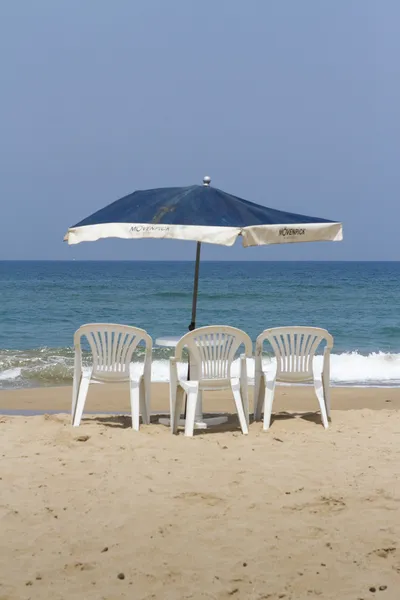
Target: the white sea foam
(10, 374)
(352, 368)
(377, 368)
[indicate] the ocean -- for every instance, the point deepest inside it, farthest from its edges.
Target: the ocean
(43, 303)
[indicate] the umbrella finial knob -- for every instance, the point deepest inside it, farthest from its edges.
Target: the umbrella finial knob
(206, 180)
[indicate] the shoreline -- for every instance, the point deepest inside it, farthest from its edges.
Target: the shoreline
(251, 384)
(114, 398)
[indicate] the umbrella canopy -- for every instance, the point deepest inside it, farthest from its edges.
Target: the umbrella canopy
(200, 213)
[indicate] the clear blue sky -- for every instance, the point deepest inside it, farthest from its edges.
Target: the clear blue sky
(290, 104)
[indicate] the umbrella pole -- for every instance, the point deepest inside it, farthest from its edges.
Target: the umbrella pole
(194, 304)
(195, 287)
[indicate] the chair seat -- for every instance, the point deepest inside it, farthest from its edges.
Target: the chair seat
(209, 385)
(111, 377)
(294, 378)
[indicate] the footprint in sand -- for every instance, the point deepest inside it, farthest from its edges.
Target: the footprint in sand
(323, 504)
(383, 552)
(387, 553)
(200, 498)
(78, 566)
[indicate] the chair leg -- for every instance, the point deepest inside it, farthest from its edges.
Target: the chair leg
(244, 392)
(80, 404)
(269, 392)
(192, 399)
(176, 398)
(259, 395)
(134, 397)
(199, 407)
(143, 402)
(327, 396)
(321, 399)
(75, 391)
(239, 406)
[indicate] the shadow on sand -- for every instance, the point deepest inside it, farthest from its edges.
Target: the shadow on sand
(232, 424)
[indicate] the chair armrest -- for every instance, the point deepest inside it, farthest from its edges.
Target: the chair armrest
(147, 365)
(173, 369)
(259, 345)
(326, 363)
(243, 365)
(258, 359)
(77, 361)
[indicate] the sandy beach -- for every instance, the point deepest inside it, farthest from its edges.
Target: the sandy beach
(102, 512)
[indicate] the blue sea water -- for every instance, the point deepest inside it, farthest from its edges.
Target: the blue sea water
(43, 303)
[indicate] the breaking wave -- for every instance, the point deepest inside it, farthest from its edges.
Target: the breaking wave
(54, 366)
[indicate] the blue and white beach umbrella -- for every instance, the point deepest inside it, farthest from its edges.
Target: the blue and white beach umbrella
(200, 213)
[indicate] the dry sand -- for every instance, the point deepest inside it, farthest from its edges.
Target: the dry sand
(296, 512)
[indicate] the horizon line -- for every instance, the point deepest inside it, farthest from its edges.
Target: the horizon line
(116, 260)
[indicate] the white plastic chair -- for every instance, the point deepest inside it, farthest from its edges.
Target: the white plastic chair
(294, 349)
(112, 348)
(211, 353)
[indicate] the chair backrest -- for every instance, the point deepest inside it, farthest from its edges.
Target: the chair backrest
(112, 347)
(294, 349)
(213, 349)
